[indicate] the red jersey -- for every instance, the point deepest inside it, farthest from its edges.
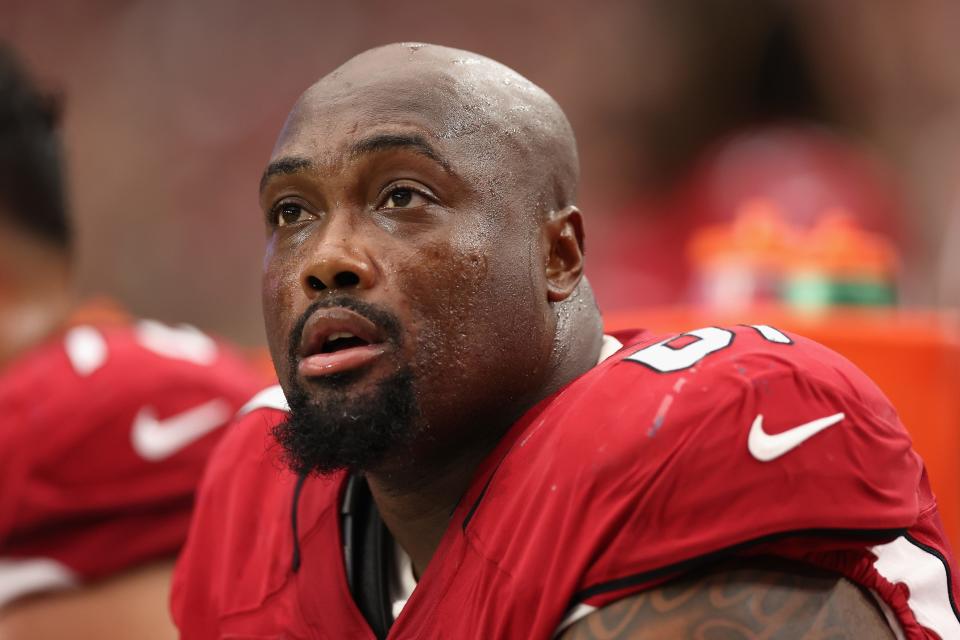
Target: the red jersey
(104, 433)
(669, 455)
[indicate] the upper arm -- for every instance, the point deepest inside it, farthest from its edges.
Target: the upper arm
(679, 476)
(783, 602)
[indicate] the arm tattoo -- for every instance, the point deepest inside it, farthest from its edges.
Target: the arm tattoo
(786, 602)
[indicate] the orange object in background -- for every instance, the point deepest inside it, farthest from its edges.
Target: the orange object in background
(761, 257)
(913, 356)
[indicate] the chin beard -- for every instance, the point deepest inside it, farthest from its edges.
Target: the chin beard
(344, 431)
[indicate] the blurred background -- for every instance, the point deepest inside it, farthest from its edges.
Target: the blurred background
(733, 151)
(794, 163)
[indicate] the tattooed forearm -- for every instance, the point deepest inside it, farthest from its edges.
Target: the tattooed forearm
(787, 602)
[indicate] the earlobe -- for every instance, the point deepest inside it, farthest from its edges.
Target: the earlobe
(564, 263)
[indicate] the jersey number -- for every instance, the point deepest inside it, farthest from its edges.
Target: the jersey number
(87, 348)
(665, 358)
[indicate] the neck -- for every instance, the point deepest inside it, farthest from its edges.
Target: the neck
(416, 499)
(35, 291)
(26, 321)
(417, 510)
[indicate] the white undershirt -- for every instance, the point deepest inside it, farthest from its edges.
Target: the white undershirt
(401, 581)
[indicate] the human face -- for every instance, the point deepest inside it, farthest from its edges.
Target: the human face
(396, 253)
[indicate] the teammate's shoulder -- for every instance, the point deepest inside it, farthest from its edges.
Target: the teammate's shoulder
(91, 348)
(141, 350)
(148, 346)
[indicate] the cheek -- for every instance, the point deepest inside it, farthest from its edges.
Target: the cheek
(278, 297)
(477, 320)
(447, 279)
(442, 288)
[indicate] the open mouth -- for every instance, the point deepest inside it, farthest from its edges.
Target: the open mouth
(336, 340)
(340, 341)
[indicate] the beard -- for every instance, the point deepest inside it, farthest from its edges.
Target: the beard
(340, 428)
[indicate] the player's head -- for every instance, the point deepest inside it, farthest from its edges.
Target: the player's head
(421, 199)
(32, 198)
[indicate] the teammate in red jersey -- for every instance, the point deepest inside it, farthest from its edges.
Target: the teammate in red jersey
(105, 422)
(458, 452)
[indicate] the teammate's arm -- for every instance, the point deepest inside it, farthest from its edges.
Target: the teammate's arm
(740, 603)
(126, 606)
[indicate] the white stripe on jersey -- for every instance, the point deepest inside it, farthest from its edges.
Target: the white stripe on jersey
(578, 612)
(609, 347)
(926, 577)
(86, 348)
(183, 342)
(771, 334)
(269, 398)
(22, 577)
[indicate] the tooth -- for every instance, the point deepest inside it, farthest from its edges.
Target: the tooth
(337, 335)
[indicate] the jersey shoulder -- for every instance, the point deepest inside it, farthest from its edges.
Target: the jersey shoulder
(751, 393)
(682, 446)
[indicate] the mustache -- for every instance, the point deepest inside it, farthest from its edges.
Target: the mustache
(384, 320)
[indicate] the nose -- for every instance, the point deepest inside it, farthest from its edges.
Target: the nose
(336, 260)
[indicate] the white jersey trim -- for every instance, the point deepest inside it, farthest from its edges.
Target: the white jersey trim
(183, 342)
(86, 348)
(925, 574)
(22, 577)
(609, 347)
(269, 398)
(577, 613)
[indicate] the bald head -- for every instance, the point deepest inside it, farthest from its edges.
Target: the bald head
(515, 134)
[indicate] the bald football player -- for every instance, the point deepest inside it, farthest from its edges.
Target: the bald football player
(457, 451)
(105, 422)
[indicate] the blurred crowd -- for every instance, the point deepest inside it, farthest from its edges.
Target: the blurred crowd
(781, 121)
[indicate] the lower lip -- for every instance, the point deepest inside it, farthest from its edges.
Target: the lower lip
(325, 364)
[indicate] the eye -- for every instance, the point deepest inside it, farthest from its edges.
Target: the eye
(403, 198)
(285, 213)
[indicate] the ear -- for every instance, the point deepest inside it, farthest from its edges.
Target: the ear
(564, 264)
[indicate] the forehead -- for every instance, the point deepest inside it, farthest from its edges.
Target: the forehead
(341, 109)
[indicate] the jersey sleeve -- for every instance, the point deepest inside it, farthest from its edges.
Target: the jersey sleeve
(111, 432)
(760, 447)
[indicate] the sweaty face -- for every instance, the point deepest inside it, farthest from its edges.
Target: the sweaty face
(403, 289)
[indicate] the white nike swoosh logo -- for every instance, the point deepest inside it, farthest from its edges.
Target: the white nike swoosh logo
(765, 447)
(157, 439)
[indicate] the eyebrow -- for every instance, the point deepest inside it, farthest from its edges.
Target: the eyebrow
(374, 144)
(285, 166)
(388, 141)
